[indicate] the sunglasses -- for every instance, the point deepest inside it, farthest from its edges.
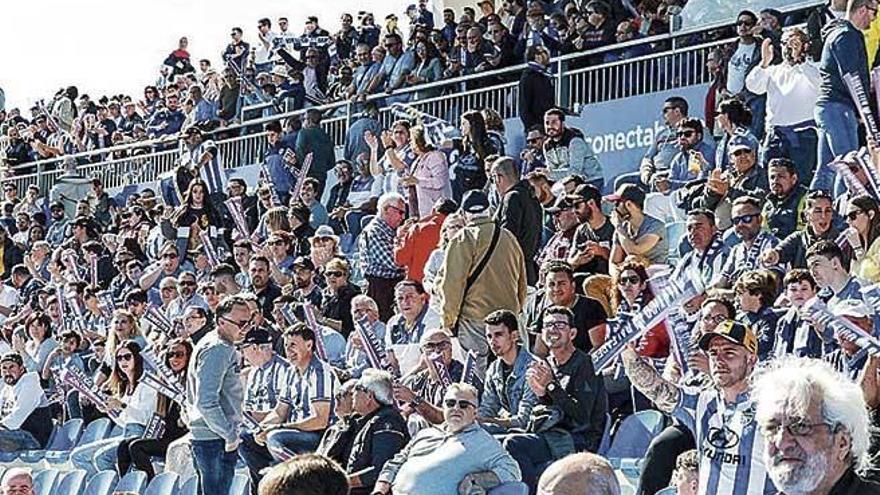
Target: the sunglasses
(745, 23)
(741, 152)
(461, 404)
(238, 324)
(632, 280)
(432, 346)
(169, 256)
(686, 134)
(188, 283)
(533, 140)
(125, 357)
(176, 355)
(333, 274)
(853, 214)
(560, 325)
(743, 219)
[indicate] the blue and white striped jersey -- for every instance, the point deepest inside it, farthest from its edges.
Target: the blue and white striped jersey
(730, 446)
(317, 384)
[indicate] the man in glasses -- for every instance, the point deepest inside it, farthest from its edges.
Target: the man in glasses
(215, 396)
(745, 57)
(237, 51)
(566, 384)
(721, 417)
(169, 265)
(376, 245)
(186, 288)
(422, 392)
(303, 411)
(439, 459)
(753, 240)
(815, 426)
(267, 377)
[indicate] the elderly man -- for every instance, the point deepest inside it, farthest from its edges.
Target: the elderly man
(414, 315)
(720, 417)
(25, 419)
(815, 427)
(422, 392)
(363, 309)
(708, 251)
(507, 400)
(17, 481)
(483, 270)
(582, 473)
(267, 377)
(376, 245)
(187, 297)
(381, 431)
(439, 459)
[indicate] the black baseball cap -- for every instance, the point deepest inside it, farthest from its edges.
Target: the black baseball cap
(585, 192)
(561, 203)
(257, 336)
(12, 357)
(304, 262)
(627, 192)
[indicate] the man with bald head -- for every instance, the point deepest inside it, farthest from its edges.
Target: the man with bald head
(582, 474)
(17, 481)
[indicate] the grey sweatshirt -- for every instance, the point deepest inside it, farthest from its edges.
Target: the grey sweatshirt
(214, 392)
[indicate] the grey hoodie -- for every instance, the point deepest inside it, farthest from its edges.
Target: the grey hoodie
(214, 392)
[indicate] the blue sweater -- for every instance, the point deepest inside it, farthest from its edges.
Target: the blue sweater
(843, 53)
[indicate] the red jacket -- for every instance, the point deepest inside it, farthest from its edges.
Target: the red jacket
(415, 244)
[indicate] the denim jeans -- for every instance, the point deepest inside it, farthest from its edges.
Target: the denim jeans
(15, 440)
(255, 456)
(101, 455)
(215, 466)
(283, 444)
(797, 142)
(532, 454)
(838, 135)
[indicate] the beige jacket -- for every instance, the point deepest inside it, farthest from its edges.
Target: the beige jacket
(501, 285)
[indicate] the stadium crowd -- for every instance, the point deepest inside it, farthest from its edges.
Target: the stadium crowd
(456, 315)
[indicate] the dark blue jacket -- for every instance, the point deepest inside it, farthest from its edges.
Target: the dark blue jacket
(843, 53)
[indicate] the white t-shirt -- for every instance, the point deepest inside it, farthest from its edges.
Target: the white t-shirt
(738, 66)
(263, 55)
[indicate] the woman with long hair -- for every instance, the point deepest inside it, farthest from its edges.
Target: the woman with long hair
(630, 293)
(137, 452)
(473, 148)
(430, 173)
(123, 327)
(130, 404)
(427, 69)
(733, 118)
(197, 212)
(863, 248)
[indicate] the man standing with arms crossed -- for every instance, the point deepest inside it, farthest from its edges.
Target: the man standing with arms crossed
(214, 397)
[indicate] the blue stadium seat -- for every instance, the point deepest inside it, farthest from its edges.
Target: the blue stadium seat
(96, 430)
(163, 484)
(134, 482)
(44, 481)
(101, 484)
(669, 490)
(71, 483)
(635, 434)
(510, 488)
(190, 487)
(63, 442)
(36, 455)
(240, 485)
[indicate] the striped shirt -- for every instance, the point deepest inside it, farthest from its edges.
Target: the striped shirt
(266, 384)
(317, 384)
(744, 257)
(728, 441)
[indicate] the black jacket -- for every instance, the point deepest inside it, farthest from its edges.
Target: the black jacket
(782, 214)
(520, 213)
(380, 436)
(12, 256)
(851, 484)
(535, 96)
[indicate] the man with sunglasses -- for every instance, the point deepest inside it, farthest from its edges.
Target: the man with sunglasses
(721, 417)
(168, 265)
(439, 459)
(569, 391)
(753, 240)
(376, 246)
(187, 297)
(422, 392)
(746, 56)
(214, 397)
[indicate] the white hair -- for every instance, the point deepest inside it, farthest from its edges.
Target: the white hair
(15, 472)
(363, 298)
(387, 199)
(795, 382)
(379, 383)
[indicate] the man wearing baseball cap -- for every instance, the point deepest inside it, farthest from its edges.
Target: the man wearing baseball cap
(636, 234)
(25, 419)
(722, 417)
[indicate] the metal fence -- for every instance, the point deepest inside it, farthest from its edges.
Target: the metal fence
(575, 86)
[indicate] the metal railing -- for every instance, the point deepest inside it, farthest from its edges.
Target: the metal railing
(674, 67)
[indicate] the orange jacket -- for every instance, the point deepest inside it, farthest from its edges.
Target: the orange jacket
(415, 244)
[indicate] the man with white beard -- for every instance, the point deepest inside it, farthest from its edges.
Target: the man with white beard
(815, 427)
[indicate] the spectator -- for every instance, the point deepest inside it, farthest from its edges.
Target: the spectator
(427, 68)
(814, 394)
(339, 291)
(437, 460)
(790, 130)
(377, 244)
(519, 211)
(313, 139)
(566, 386)
(468, 298)
(26, 417)
(636, 234)
(795, 335)
(417, 238)
(746, 54)
(792, 250)
(835, 111)
(783, 209)
(579, 473)
(535, 88)
(305, 472)
(733, 119)
(507, 400)
(429, 174)
(421, 392)
(473, 148)
(17, 481)
(686, 475)
(566, 152)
